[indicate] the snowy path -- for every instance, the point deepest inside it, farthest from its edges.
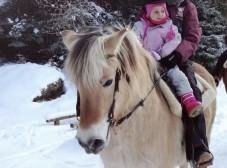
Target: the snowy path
(27, 141)
(219, 132)
(38, 143)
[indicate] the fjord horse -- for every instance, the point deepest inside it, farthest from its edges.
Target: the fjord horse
(124, 116)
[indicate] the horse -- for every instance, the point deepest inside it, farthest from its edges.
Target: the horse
(220, 69)
(124, 115)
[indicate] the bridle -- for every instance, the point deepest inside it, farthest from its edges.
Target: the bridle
(111, 119)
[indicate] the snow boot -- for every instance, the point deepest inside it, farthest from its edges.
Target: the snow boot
(193, 106)
(203, 156)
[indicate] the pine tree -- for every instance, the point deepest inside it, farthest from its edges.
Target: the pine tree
(213, 41)
(30, 30)
(21, 39)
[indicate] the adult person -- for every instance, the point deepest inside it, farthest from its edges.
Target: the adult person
(184, 15)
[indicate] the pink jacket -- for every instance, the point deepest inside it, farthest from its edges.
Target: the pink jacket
(163, 38)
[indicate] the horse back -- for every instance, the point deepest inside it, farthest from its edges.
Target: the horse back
(201, 71)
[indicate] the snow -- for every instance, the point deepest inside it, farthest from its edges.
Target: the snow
(26, 140)
(2, 2)
(35, 30)
(98, 8)
(10, 20)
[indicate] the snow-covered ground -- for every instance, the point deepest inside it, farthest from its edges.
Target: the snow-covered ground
(1, 2)
(26, 140)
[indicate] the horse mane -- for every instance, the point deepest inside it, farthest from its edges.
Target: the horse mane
(87, 58)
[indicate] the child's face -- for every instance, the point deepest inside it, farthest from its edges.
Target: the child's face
(158, 13)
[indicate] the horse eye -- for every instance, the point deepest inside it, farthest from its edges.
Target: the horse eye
(108, 83)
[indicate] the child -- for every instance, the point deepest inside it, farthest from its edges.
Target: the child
(160, 37)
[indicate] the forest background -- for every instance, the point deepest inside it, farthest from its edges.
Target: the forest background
(30, 30)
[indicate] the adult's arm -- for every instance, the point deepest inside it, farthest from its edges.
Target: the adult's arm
(191, 34)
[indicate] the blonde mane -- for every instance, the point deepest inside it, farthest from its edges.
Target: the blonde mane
(87, 58)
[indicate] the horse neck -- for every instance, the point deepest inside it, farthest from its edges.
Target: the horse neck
(144, 79)
(151, 128)
(143, 87)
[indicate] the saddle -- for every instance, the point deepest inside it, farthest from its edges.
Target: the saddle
(168, 91)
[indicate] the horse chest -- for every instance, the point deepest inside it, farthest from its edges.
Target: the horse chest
(126, 151)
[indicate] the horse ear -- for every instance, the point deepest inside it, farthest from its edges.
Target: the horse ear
(113, 41)
(69, 37)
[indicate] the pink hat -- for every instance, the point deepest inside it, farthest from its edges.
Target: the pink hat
(149, 8)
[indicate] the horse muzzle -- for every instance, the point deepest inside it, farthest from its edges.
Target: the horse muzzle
(93, 145)
(95, 138)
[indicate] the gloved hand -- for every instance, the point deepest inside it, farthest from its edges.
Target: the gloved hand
(171, 60)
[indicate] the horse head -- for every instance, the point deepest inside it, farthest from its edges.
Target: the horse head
(104, 66)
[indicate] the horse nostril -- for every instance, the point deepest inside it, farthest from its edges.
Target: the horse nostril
(96, 143)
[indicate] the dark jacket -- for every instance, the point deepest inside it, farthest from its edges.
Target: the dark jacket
(191, 30)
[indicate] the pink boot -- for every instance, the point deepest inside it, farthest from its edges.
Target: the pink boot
(193, 106)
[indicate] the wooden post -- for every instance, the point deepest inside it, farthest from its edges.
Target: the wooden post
(57, 120)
